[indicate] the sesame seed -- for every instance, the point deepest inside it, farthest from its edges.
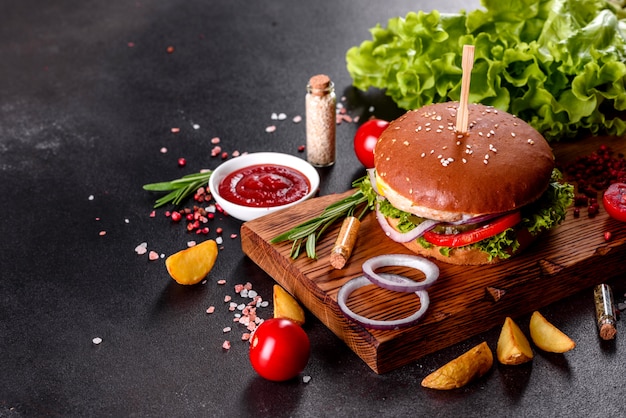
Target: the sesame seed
(513, 134)
(485, 161)
(423, 154)
(464, 160)
(406, 142)
(486, 156)
(531, 142)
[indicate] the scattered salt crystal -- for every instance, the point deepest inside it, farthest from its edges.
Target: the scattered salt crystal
(252, 294)
(191, 243)
(91, 197)
(306, 379)
(153, 255)
(126, 221)
(219, 240)
(282, 116)
(175, 130)
(163, 150)
(210, 309)
(245, 336)
(270, 129)
(195, 126)
(236, 153)
(233, 236)
(102, 233)
(227, 298)
(226, 345)
(153, 214)
(297, 119)
(142, 248)
(226, 329)
(264, 304)
(221, 281)
(215, 140)
(241, 306)
(96, 340)
(244, 293)
(274, 116)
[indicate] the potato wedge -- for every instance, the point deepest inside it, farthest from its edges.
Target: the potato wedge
(548, 337)
(191, 265)
(513, 346)
(458, 372)
(285, 306)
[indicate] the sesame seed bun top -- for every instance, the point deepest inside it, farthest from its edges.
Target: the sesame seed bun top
(425, 167)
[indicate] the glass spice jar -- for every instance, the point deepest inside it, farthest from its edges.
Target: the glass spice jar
(321, 121)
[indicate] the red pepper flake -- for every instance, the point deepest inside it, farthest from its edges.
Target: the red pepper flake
(224, 155)
(219, 230)
(170, 49)
(608, 236)
(301, 148)
(153, 214)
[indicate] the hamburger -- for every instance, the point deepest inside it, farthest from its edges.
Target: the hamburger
(470, 198)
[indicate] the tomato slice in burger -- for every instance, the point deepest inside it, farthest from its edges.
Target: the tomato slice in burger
(490, 229)
(614, 201)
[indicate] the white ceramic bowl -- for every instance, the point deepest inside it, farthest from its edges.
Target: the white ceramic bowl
(246, 213)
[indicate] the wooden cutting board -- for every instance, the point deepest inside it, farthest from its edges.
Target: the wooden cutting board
(571, 258)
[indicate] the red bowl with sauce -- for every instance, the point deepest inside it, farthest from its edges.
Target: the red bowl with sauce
(254, 185)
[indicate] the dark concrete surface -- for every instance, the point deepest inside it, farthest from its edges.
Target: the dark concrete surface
(88, 97)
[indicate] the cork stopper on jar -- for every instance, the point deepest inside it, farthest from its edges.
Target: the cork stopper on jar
(319, 84)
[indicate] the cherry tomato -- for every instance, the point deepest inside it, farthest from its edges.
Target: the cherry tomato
(469, 237)
(614, 201)
(365, 139)
(279, 349)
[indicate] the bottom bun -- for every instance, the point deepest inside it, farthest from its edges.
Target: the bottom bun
(465, 256)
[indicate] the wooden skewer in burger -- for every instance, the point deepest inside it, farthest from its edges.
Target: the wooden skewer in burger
(466, 184)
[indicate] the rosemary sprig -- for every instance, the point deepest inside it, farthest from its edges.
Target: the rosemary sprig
(311, 230)
(179, 189)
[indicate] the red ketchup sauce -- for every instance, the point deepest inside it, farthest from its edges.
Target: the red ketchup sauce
(264, 185)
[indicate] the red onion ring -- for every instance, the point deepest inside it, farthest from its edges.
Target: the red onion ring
(430, 270)
(372, 177)
(358, 282)
(398, 236)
